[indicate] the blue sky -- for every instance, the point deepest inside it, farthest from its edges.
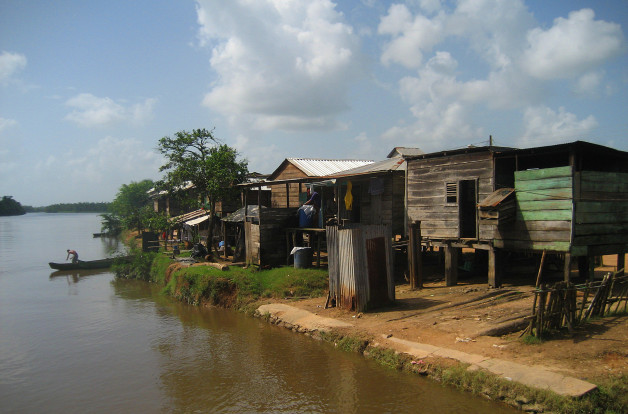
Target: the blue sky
(88, 88)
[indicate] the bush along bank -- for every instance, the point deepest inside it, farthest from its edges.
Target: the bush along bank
(237, 288)
(246, 289)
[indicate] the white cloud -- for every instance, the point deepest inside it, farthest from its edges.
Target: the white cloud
(10, 64)
(509, 63)
(6, 123)
(572, 46)
(279, 64)
(364, 148)
(412, 36)
(543, 126)
(96, 173)
(589, 83)
(261, 156)
(90, 110)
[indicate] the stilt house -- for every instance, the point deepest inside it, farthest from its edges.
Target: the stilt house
(265, 235)
(570, 199)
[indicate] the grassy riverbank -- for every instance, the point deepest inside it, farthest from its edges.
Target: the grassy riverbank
(246, 289)
(237, 287)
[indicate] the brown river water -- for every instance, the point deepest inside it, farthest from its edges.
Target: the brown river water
(84, 342)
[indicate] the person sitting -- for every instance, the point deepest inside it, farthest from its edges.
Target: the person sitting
(315, 201)
(74, 255)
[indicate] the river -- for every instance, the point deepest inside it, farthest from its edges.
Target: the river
(85, 342)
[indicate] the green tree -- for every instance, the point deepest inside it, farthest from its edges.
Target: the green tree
(129, 203)
(10, 207)
(211, 166)
(110, 224)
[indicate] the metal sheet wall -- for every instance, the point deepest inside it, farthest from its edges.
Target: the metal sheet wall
(348, 265)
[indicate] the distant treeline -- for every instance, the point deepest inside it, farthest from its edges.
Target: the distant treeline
(70, 208)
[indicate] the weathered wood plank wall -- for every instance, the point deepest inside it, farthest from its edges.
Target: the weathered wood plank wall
(601, 209)
(544, 199)
(427, 201)
(387, 208)
(278, 192)
(266, 242)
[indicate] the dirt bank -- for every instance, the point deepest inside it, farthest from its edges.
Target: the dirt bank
(463, 317)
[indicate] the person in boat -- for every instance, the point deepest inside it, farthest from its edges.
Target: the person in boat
(74, 255)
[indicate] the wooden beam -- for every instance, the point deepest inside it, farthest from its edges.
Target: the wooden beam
(495, 267)
(621, 263)
(567, 267)
(415, 261)
(451, 265)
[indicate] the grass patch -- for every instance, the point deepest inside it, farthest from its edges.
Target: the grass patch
(235, 288)
(531, 340)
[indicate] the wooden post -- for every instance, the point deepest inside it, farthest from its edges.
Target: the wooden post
(318, 249)
(567, 268)
(494, 267)
(415, 265)
(451, 265)
(621, 263)
(586, 267)
(287, 195)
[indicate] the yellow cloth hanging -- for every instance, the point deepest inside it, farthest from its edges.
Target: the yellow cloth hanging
(348, 197)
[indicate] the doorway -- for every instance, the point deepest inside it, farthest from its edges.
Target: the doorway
(467, 205)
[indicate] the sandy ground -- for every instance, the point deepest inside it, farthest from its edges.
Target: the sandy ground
(459, 317)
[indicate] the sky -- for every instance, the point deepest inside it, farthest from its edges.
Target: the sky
(88, 88)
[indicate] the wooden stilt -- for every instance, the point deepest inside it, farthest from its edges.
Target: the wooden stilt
(621, 263)
(415, 267)
(494, 267)
(567, 267)
(451, 265)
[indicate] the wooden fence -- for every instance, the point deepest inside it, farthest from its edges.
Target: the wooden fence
(566, 305)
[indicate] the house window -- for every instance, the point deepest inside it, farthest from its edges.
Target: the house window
(451, 192)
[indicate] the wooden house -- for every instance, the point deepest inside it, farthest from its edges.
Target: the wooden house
(291, 193)
(569, 199)
(172, 204)
(266, 238)
(377, 192)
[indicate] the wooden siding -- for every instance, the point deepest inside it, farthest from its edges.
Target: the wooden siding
(278, 192)
(386, 208)
(601, 209)
(427, 180)
(266, 242)
(543, 221)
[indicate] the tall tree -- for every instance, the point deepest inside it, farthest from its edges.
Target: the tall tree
(211, 166)
(10, 207)
(129, 202)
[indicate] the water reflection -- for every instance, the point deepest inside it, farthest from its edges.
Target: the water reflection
(233, 363)
(81, 341)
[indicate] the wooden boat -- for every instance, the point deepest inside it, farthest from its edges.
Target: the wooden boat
(88, 264)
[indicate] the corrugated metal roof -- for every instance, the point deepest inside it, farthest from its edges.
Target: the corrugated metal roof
(198, 220)
(188, 216)
(317, 167)
(405, 151)
(389, 164)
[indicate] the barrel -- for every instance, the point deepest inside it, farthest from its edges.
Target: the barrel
(303, 258)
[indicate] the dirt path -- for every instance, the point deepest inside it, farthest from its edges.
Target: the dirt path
(459, 318)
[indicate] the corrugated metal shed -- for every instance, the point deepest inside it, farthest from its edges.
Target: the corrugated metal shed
(320, 167)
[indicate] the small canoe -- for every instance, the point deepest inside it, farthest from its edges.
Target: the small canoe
(87, 264)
